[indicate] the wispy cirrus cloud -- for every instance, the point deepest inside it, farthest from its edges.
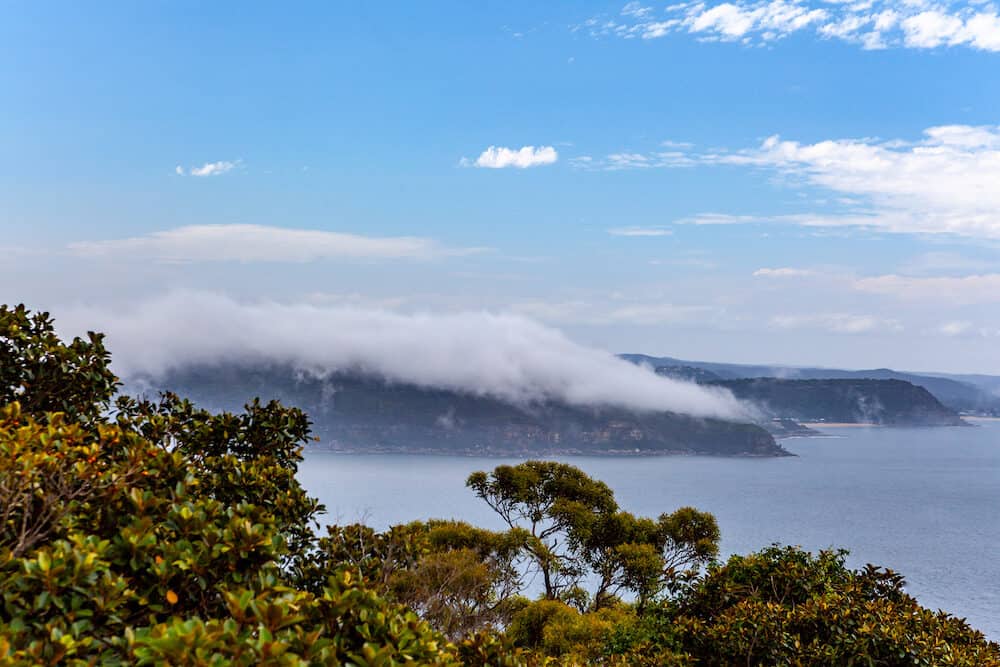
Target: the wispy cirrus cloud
(616, 312)
(954, 328)
(871, 24)
(636, 230)
(953, 290)
(844, 323)
(945, 262)
(943, 182)
(209, 168)
(657, 159)
(783, 272)
(500, 157)
(260, 243)
(936, 291)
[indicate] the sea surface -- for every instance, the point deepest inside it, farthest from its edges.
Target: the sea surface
(924, 502)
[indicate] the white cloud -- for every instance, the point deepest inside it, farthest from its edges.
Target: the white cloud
(731, 21)
(259, 243)
(501, 355)
(209, 168)
(945, 182)
(625, 160)
(659, 313)
(955, 328)
(628, 161)
(722, 219)
(937, 262)
(605, 312)
(872, 24)
(783, 272)
(845, 323)
(640, 231)
(636, 9)
(961, 290)
(499, 157)
(931, 29)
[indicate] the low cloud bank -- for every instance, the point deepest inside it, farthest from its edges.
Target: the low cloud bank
(503, 356)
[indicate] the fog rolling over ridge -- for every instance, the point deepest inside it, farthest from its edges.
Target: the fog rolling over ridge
(502, 356)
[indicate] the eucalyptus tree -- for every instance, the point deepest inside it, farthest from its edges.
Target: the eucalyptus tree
(576, 529)
(555, 503)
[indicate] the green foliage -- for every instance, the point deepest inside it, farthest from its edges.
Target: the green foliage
(459, 577)
(530, 626)
(276, 625)
(489, 649)
(785, 606)
(250, 457)
(166, 534)
(46, 375)
(121, 542)
(576, 528)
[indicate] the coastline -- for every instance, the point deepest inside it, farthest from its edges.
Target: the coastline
(528, 454)
(822, 425)
(842, 425)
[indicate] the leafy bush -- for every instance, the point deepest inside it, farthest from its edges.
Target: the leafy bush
(786, 606)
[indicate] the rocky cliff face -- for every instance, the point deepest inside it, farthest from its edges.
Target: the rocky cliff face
(352, 412)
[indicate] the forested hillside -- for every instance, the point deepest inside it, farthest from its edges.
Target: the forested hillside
(354, 412)
(886, 402)
(970, 394)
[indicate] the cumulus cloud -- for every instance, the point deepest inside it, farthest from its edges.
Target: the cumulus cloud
(504, 356)
(499, 157)
(871, 24)
(259, 243)
(209, 168)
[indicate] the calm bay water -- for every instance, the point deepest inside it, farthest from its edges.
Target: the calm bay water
(925, 502)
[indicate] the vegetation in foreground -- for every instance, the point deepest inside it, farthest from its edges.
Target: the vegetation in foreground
(153, 532)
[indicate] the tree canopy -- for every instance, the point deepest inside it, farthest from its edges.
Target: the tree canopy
(155, 532)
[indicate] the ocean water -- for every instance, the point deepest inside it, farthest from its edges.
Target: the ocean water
(925, 502)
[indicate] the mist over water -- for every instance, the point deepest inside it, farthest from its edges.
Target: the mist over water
(504, 356)
(920, 501)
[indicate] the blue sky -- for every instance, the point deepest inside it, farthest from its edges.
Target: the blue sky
(811, 183)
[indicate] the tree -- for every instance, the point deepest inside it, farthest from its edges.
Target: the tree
(44, 374)
(576, 528)
(552, 501)
(784, 605)
(163, 534)
(460, 578)
(250, 457)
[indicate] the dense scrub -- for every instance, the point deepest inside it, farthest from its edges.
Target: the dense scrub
(154, 532)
